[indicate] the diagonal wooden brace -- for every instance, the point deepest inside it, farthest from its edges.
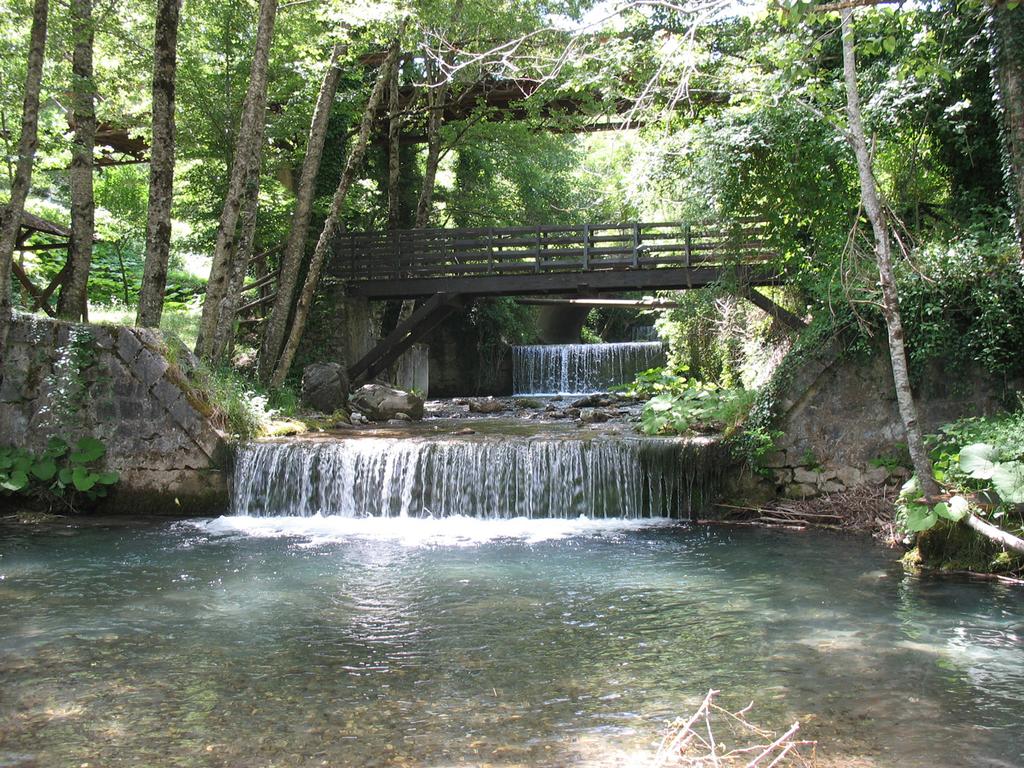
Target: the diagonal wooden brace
(421, 322)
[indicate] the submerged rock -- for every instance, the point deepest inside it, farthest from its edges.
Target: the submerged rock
(325, 387)
(381, 403)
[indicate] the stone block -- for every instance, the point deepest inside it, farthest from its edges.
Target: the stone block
(149, 367)
(775, 459)
(128, 345)
(783, 476)
(130, 410)
(831, 486)
(876, 476)
(104, 337)
(801, 491)
(186, 417)
(166, 392)
(851, 477)
(806, 476)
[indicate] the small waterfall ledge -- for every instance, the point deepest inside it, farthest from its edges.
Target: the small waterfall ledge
(580, 368)
(491, 477)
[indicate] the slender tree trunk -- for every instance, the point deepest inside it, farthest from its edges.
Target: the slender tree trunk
(436, 97)
(224, 333)
(1006, 40)
(333, 222)
(394, 147)
(161, 165)
(11, 221)
(883, 256)
(291, 259)
(73, 302)
(249, 141)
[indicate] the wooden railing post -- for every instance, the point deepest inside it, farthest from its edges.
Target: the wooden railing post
(586, 247)
(636, 244)
(490, 250)
(688, 242)
(536, 247)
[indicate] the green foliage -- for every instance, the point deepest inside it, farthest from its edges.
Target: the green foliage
(979, 462)
(678, 404)
(963, 301)
(61, 475)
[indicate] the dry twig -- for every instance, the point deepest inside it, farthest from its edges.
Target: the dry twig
(714, 736)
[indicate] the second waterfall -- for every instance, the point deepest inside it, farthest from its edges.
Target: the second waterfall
(580, 368)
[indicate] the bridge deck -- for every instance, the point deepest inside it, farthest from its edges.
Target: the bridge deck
(553, 259)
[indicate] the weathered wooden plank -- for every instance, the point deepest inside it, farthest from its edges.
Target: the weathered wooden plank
(564, 282)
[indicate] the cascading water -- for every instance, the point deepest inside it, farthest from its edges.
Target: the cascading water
(580, 368)
(484, 476)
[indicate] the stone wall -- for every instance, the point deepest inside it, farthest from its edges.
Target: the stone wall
(841, 427)
(116, 384)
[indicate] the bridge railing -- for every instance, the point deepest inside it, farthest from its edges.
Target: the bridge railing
(439, 253)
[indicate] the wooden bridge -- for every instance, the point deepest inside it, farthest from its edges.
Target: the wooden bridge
(517, 261)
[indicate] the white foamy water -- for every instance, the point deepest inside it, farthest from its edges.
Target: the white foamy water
(495, 477)
(455, 531)
(580, 368)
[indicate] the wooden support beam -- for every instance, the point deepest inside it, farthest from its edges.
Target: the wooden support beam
(420, 323)
(37, 296)
(598, 302)
(605, 281)
(781, 314)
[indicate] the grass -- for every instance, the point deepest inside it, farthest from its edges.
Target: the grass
(183, 323)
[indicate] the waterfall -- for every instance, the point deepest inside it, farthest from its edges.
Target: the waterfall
(487, 477)
(580, 368)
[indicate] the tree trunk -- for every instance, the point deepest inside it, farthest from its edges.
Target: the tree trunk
(998, 535)
(73, 303)
(883, 256)
(1006, 41)
(333, 222)
(291, 259)
(250, 134)
(161, 165)
(394, 148)
(224, 333)
(11, 223)
(436, 98)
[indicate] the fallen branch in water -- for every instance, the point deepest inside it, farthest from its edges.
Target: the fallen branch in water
(865, 508)
(714, 736)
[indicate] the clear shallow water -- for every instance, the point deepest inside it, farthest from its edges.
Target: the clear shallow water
(457, 643)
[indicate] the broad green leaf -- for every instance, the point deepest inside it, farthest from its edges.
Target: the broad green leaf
(45, 469)
(1008, 478)
(661, 403)
(64, 476)
(83, 479)
(88, 449)
(889, 44)
(55, 448)
(920, 518)
(108, 478)
(979, 460)
(16, 481)
(958, 508)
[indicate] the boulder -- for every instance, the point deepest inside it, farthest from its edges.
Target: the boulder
(488, 405)
(380, 403)
(596, 400)
(593, 416)
(325, 387)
